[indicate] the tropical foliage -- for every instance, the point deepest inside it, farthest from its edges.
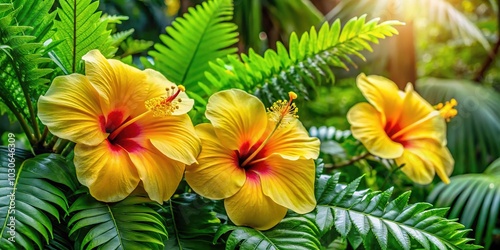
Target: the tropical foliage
(53, 53)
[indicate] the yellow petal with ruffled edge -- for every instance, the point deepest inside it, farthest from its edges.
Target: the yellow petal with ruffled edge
(160, 175)
(217, 174)
(250, 207)
(383, 94)
(237, 117)
(293, 142)
(174, 136)
(288, 183)
(106, 170)
(424, 158)
(121, 86)
(71, 110)
(366, 126)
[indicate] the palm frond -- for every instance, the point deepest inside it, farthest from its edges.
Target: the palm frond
(201, 35)
(438, 11)
(372, 219)
(474, 199)
(472, 134)
(22, 79)
(128, 224)
(191, 222)
(306, 64)
(79, 30)
(31, 201)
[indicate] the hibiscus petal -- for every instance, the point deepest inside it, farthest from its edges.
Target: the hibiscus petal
(366, 126)
(217, 174)
(418, 169)
(237, 117)
(174, 136)
(71, 110)
(121, 85)
(159, 174)
(420, 120)
(288, 183)
(293, 142)
(436, 158)
(250, 207)
(447, 164)
(383, 94)
(106, 170)
(158, 85)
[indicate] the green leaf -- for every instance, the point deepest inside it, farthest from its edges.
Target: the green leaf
(473, 134)
(30, 201)
(203, 34)
(128, 224)
(80, 29)
(191, 222)
(23, 79)
(372, 218)
(474, 199)
(306, 64)
(293, 232)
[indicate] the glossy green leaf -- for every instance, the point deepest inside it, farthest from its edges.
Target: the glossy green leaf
(30, 201)
(129, 224)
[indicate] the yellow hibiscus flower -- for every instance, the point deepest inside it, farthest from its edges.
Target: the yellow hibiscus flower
(403, 126)
(129, 126)
(260, 163)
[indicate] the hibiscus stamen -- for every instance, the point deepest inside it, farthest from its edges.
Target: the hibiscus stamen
(165, 105)
(447, 110)
(282, 112)
(160, 107)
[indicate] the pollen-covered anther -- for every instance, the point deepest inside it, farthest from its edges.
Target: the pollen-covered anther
(284, 112)
(447, 110)
(165, 105)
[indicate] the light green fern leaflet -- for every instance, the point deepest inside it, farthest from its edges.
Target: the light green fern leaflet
(79, 30)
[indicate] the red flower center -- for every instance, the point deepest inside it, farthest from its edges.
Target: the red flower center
(127, 137)
(246, 151)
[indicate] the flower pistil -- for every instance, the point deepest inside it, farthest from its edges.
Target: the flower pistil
(160, 107)
(282, 112)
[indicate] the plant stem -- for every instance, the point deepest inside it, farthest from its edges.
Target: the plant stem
(61, 146)
(21, 120)
(52, 142)
(44, 135)
(493, 53)
(351, 161)
(68, 149)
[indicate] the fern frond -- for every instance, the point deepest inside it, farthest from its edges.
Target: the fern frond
(441, 12)
(201, 35)
(31, 201)
(128, 224)
(474, 199)
(293, 232)
(80, 29)
(22, 79)
(119, 37)
(132, 46)
(191, 222)
(306, 64)
(372, 219)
